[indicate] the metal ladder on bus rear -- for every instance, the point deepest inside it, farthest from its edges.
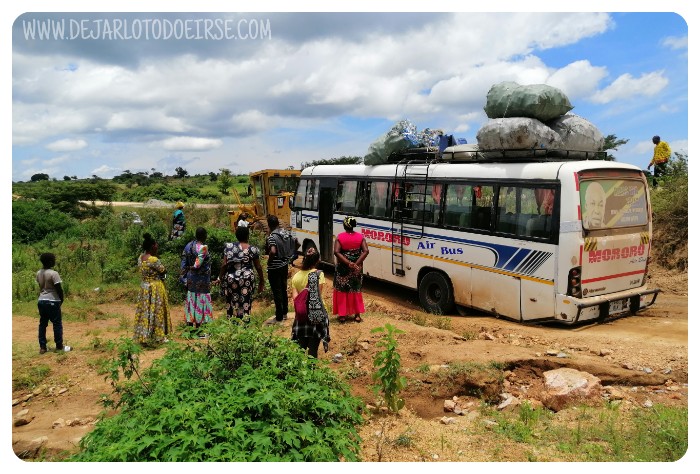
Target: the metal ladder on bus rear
(415, 172)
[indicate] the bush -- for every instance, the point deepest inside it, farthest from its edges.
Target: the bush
(245, 396)
(32, 221)
(670, 205)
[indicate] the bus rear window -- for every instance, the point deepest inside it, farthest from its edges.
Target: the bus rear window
(613, 203)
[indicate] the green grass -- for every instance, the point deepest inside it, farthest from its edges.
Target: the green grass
(30, 377)
(597, 434)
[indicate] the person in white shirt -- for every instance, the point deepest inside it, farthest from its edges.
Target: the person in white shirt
(49, 303)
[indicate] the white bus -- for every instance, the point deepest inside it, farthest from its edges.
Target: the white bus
(528, 240)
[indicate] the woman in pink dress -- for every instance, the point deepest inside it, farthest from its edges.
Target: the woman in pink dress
(350, 250)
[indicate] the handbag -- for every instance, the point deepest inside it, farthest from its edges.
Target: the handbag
(301, 305)
(316, 311)
(308, 305)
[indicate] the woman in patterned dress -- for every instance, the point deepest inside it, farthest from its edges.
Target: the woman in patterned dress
(350, 250)
(196, 265)
(237, 277)
(152, 323)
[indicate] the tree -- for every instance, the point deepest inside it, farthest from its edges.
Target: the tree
(613, 143)
(212, 176)
(225, 181)
(181, 172)
(343, 160)
(66, 178)
(39, 177)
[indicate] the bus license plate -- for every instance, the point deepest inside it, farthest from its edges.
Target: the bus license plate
(619, 306)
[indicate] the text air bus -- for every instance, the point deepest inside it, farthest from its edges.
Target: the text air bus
(527, 240)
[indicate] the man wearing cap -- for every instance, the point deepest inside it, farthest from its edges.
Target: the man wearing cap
(662, 153)
(178, 221)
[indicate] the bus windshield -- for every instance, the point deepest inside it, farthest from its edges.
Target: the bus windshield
(613, 203)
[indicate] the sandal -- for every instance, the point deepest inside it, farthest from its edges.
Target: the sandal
(358, 318)
(341, 319)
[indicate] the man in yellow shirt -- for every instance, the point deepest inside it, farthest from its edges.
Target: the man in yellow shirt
(662, 153)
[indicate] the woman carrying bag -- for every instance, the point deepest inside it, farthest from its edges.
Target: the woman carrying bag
(311, 324)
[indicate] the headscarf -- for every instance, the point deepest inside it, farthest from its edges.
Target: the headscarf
(179, 205)
(349, 222)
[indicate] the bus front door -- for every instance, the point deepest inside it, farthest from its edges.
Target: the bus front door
(325, 222)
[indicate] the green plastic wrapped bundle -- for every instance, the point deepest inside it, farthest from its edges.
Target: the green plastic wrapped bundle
(538, 101)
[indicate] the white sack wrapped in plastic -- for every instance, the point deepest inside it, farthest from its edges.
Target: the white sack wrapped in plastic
(517, 133)
(577, 134)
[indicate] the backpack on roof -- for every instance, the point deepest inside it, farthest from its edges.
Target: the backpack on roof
(286, 245)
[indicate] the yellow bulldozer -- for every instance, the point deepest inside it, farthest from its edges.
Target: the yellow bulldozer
(272, 191)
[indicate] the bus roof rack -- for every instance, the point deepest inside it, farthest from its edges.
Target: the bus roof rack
(471, 154)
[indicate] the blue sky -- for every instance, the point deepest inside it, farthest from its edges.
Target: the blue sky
(323, 85)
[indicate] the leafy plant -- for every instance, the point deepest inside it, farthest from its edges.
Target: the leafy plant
(243, 395)
(388, 363)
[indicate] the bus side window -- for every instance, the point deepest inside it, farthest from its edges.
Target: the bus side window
(482, 196)
(363, 197)
(457, 209)
(539, 226)
(540, 204)
(507, 207)
(346, 200)
(378, 198)
(482, 218)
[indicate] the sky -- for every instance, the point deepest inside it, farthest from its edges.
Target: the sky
(116, 95)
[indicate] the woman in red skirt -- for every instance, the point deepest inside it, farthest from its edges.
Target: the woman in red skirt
(350, 250)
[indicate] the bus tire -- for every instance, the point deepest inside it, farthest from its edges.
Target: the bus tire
(436, 294)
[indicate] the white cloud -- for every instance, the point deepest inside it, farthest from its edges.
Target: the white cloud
(57, 160)
(251, 121)
(626, 87)
(675, 42)
(67, 144)
(105, 171)
(145, 121)
(578, 79)
(191, 144)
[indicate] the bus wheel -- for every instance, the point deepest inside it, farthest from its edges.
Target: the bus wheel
(435, 293)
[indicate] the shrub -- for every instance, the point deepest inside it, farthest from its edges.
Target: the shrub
(670, 205)
(246, 395)
(32, 221)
